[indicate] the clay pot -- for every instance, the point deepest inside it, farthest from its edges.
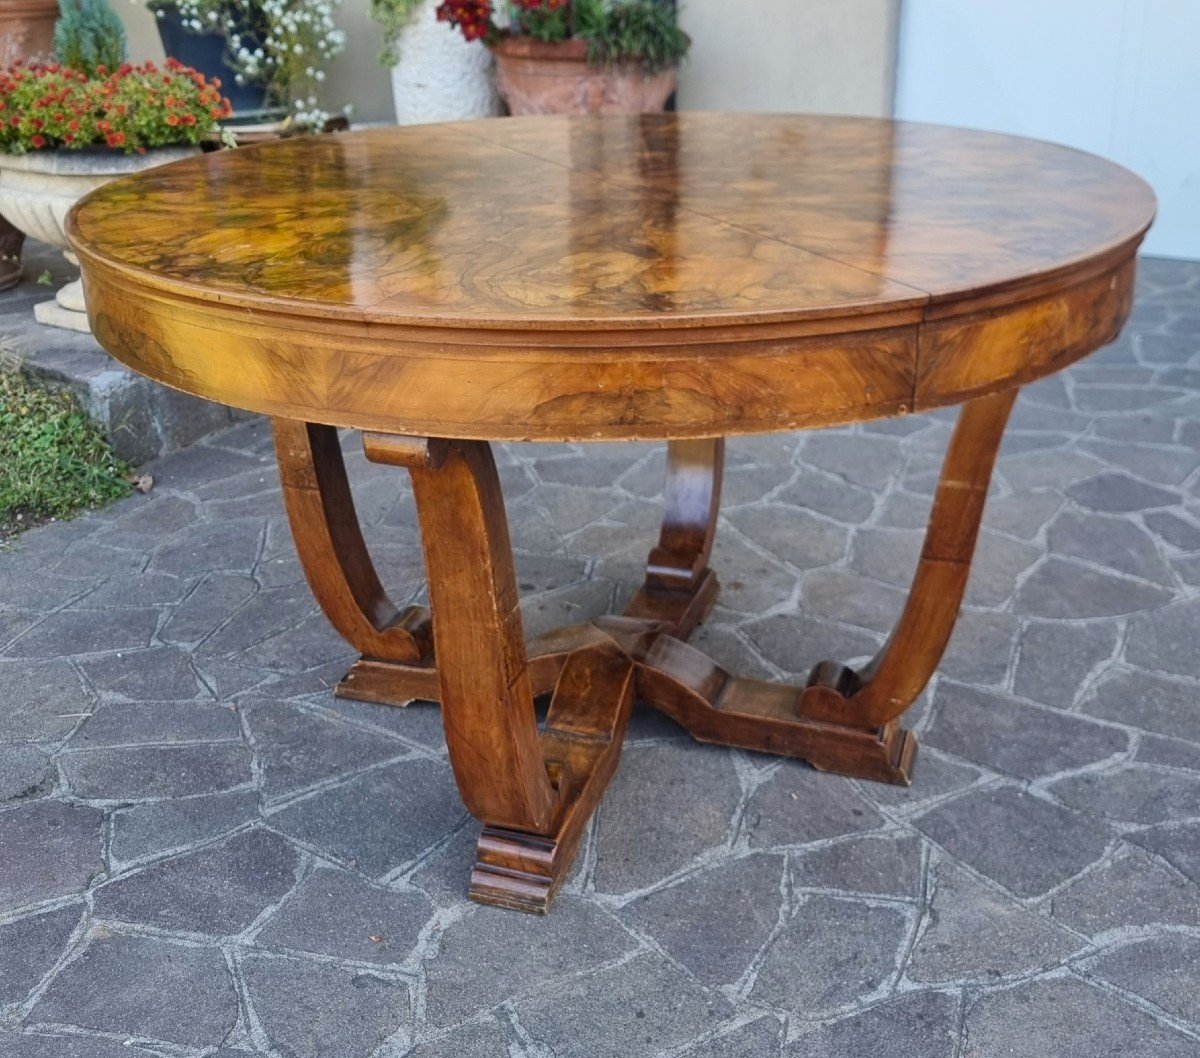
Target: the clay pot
(535, 77)
(26, 29)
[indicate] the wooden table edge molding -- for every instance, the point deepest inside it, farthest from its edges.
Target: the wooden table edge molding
(1046, 326)
(430, 392)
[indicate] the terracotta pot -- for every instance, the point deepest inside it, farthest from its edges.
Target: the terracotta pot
(26, 29)
(535, 77)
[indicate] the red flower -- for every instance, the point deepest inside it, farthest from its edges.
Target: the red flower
(115, 139)
(38, 141)
(172, 120)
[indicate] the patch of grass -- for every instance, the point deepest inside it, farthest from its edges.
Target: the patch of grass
(54, 462)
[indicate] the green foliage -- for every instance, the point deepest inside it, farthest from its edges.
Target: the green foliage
(393, 17)
(616, 31)
(545, 23)
(56, 462)
(642, 31)
(89, 35)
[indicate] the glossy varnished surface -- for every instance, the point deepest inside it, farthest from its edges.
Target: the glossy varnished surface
(605, 219)
(659, 276)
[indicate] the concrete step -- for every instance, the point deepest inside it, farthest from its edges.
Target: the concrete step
(142, 419)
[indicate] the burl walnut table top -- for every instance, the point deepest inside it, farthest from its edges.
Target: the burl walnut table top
(573, 278)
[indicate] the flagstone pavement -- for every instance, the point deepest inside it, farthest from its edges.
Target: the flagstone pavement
(204, 853)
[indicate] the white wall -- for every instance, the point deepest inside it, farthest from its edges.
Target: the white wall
(1120, 78)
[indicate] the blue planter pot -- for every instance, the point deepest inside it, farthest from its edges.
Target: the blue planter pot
(205, 52)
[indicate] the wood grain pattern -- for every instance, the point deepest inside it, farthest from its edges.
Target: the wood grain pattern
(487, 699)
(664, 276)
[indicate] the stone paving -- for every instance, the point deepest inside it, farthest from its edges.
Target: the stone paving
(204, 853)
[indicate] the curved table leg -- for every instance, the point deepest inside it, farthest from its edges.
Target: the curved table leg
(533, 792)
(680, 589)
(887, 686)
(336, 562)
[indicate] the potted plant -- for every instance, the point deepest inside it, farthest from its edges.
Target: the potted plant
(272, 54)
(26, 28)
(578, 56)
(67, 127)
(436, 74)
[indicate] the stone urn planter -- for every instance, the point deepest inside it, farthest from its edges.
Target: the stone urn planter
(536, 77)
(440, 76)
(38, 189)
(26, 29)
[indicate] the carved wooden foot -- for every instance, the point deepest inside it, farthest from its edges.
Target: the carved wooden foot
(680, 589)
(713, 706)
(581, 743)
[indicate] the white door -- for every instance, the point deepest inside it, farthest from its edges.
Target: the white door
(1119, 78)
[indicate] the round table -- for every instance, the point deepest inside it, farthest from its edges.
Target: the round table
(671, 277)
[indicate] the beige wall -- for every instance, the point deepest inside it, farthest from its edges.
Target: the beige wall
(828, 56)
(357, 77)
(835, 56)
(139, 27)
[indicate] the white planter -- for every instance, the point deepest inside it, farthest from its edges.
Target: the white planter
(38, 189)
(440, 76)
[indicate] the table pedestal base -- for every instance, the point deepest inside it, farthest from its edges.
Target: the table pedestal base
(534, 790)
